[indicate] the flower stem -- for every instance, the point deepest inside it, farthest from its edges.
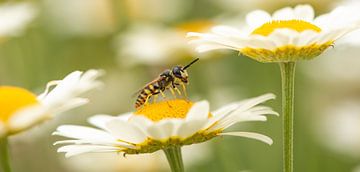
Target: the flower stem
(287, 78)
(174, 157)
(4, 155)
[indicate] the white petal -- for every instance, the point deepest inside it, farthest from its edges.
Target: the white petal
(95, 142)
(340, 17)
(28, 117)
(125, 116)
(257, 18)
(257, 41)
(255, 101)
(332, 35)
(72, 150)
(284, 14)
(82, 132)
(234, 118)
(227, 31)
(251, 135)
(237, 112)
(304, 12)
(125, 131)
(140, 121)
(163, 129)
(235, 42)
(307, 38)
(70, 104)
(189, 128)
(222, 112)
(209, 47)
(70, 88)
(100, 120)
(263, 110)
(283, 37)
(198, 111)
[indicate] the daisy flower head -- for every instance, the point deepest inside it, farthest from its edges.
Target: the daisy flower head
(162, 126)
(22, 109)
(288, 35)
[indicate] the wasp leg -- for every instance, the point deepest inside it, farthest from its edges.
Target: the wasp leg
(172, 92)
(184, 90)
(177, 90)
(155, 98)
(147, 100)
(162, 94)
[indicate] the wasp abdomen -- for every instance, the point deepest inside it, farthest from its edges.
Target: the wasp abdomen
(145, 94)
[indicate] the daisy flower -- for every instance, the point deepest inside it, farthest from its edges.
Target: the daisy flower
(290, 34)
(286, 36)
(166, 125)
(22, 109)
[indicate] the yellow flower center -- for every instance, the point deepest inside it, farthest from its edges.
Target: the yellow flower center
(177, 108)
(298, 25)
(12, 99)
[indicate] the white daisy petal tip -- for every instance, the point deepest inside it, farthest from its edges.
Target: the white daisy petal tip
(268, 96)
(199, 111)
(257, 18)
(273, 113)
(256, 136)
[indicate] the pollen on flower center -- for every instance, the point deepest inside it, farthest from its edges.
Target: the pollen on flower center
(297, 25)
(12, 99)
(177, 108)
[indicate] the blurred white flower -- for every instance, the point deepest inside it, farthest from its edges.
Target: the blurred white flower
(339, 128)
(155, 44)
(289, 34)
(163, 125)
(81, 17)
(156, 10)
(14, 17)
(151, 45)
(21, 109)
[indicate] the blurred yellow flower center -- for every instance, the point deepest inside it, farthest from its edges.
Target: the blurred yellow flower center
(297, 25)
(195, 26)
(177, 108)
(12, 99)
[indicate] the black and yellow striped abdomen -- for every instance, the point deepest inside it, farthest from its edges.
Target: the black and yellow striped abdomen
(146, 93)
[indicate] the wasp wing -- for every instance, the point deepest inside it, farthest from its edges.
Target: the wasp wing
(149, 83)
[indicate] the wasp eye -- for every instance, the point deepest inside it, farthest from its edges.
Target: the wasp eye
(177, 71)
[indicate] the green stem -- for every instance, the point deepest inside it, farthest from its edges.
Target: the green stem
(4, 155)
(174, 157)
(287, 78)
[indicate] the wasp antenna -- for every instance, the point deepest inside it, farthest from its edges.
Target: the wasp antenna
(185, 67)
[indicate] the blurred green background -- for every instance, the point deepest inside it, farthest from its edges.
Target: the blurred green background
(134, 40)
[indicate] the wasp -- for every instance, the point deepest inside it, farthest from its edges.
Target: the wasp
(168, 79)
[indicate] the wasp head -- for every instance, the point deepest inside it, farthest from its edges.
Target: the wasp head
(180, 73)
